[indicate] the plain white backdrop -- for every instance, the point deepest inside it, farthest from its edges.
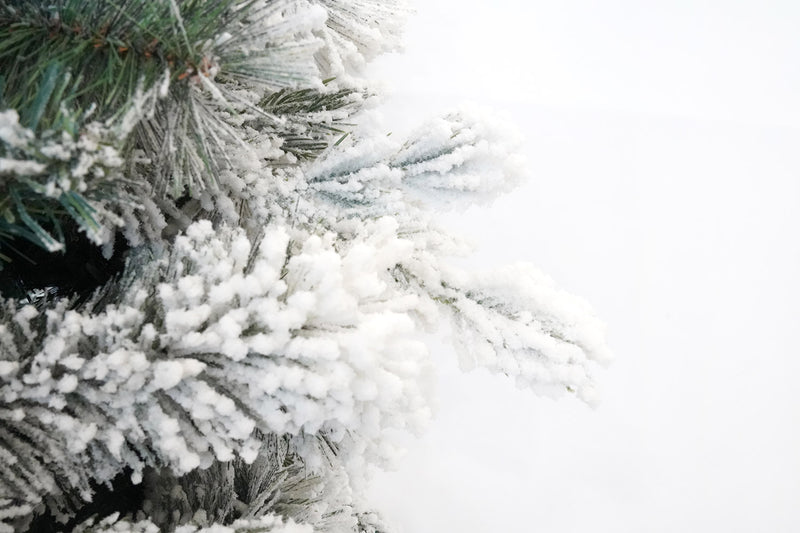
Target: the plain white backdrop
(662, 141)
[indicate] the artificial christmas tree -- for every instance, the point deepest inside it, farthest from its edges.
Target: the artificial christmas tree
(213, 267)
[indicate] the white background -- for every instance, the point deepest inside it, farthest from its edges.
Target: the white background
(663, 147)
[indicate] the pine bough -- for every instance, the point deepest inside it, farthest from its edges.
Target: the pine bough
(258, 350)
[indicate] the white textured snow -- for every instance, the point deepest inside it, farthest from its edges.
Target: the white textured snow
(268, 524)
(662, 144)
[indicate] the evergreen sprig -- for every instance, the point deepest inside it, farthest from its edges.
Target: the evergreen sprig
(230, 339)
(307, 129)
(71, 174)
(110, 48)
(65, 62)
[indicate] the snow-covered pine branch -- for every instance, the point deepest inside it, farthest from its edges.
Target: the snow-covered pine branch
(78, 170)
(258, 334)
(463, 157)
(204, 349)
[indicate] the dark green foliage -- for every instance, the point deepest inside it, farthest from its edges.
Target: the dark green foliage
(70, 64)
(25, 210)
(110, 48)
(66, 62)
